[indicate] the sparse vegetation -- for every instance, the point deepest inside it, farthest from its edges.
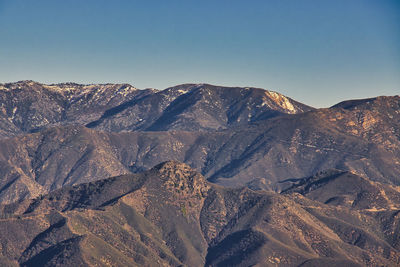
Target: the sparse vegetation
(59, 206)
(115, 225)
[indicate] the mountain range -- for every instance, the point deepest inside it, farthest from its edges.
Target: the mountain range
(265, 179)
(28, 106)
(171, 216)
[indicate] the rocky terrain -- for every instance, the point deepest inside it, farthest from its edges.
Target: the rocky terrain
(259, 154)
(171, 216)
(264, 180)
(28, 106)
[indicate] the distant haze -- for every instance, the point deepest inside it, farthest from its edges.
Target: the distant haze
(318, 52)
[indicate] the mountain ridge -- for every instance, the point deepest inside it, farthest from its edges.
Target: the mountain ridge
(264, 152)
(144, 222)
(31, 106)
(195, 175)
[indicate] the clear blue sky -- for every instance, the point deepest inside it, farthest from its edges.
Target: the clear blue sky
(316, 51)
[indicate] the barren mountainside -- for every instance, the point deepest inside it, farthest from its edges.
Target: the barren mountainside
(259, 154)
(195, 175)
(28, 106)
(170, 215)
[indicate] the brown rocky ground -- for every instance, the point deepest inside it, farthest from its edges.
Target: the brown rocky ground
(171, 216)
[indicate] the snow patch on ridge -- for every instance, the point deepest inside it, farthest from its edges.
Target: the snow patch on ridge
(182, 91)
(281, 101)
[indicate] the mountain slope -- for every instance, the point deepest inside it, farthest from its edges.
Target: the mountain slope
(28, 106)
(193, 107)
(171, 216)
(363, 140)
(341, 188)
(258, 155)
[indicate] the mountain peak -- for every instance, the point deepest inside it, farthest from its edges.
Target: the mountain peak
(19, 85)
(370, 103)
(181, 177)
(171, 164)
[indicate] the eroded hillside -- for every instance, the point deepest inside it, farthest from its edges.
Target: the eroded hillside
(171, 216)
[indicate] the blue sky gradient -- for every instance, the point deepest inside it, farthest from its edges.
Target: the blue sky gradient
(318, 52)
